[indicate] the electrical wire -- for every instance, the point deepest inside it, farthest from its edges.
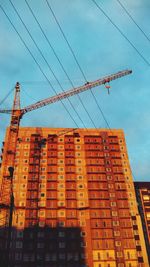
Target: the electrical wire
(62, 66)
(36, 61)
(7, 95)
(127, 12)
(121, 32)
(41, 53)
(70, 47)
(27, 94)
(77, 62)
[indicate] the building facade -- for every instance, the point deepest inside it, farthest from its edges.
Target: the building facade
(75, 203)
(142, 190)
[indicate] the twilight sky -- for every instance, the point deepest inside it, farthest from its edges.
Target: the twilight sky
(104, 40)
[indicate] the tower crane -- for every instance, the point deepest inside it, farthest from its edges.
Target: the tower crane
(6, 190)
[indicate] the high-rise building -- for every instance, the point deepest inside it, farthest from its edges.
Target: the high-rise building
(75, 203)
(142, 190)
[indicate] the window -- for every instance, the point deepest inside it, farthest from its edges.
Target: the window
(108, 169)
(148, 215)
(82, 223)
(42, 176)
(146, 198)
(113, 204)
(80, 186)
(61, 186)
(61, 224)
(119, 254)
(18, 244)
(116, 233)
(43, 168)
(19, 234)
(83, 244)
(114, 213)
(60, 177)
(61, 195)
(40, 234)
(80, 195)
(79, 177)
(41, 224)
(22, 204)
(61, 161)
(42, 185)
(117, 243)
(41, 213)
(110, 186)
(112, 194)
(61, 213)
(61, 234)
(115, 223)
(61, 203)
(83, 233)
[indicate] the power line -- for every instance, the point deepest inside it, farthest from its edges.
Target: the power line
(68, 43)
(76, 60)
(35, 61)
(7, 95)
(41, 53)
(127, 12)
(121, 32)
(62, 66)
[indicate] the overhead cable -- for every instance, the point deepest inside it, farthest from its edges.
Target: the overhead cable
(131, 17)
(40, 68)
(76, 60)
(50, 68)
(121, 32)
(7, 95)
(63, 68)
(69, 45)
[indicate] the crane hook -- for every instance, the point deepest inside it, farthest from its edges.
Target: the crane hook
(108, 88)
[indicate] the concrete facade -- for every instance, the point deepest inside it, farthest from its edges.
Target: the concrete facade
(75, 203)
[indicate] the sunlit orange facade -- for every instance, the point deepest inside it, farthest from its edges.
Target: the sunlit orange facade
(75, 203)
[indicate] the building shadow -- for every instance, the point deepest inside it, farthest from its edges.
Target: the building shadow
(43, 247)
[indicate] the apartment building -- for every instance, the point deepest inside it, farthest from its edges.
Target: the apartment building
(75, 203)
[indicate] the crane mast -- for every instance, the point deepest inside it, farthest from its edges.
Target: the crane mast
(6, 179)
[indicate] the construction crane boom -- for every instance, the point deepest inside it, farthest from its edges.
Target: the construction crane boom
(71, 92)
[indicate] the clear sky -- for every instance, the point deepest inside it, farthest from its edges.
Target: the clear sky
(105, 40)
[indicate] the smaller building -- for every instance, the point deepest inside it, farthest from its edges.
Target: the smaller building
(143, 198)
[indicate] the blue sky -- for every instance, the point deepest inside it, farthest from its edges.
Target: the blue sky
(100, 50)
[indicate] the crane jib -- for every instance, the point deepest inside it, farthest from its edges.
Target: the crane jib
(71, 92)
(74, 91)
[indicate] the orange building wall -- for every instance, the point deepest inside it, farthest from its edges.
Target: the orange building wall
(74, 183)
